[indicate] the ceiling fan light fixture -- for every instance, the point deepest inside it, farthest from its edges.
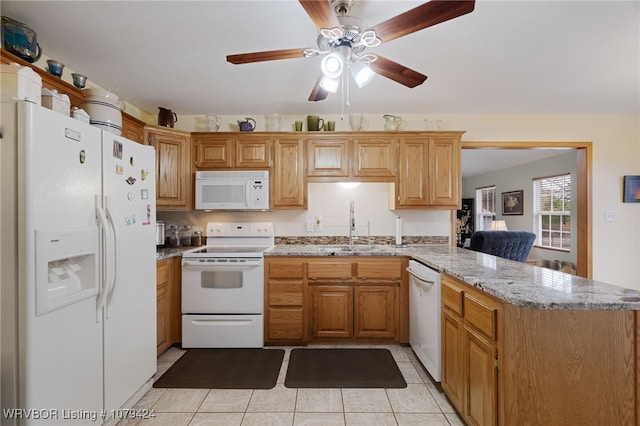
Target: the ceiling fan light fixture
(332, 65)
(332, 34)
(330, 84)
(361, 73)
(370, 39)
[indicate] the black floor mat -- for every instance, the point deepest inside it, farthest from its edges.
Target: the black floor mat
(224, 369)
(343, 368)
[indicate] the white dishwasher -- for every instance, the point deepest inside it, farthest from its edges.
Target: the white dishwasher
(424, 316)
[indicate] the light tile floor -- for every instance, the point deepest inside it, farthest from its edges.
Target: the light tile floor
(420, 403)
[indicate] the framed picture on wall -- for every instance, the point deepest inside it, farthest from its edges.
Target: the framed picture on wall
(512, 203)
(631, 189)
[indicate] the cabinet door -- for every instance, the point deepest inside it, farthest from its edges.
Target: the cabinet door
(132, 128)
(213, 153)
(374, 311)
(332, 311)
(252, 153)
(173, 173)
(444, 172)
(412, 174)
(481, 388)
(328, 157)
(452, 358)
(163, 279)
(288, 185)
(374, 158)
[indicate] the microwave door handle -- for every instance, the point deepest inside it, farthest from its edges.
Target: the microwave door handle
(247, 198)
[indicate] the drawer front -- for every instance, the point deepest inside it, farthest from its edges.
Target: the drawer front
(452, 297)
(289, 268)
(320, 270)
(379, 269)
(285, 293)
(481, 316)
(285, 324)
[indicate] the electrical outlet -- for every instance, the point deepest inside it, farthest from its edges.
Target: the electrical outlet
(610, 216)
(310, 225)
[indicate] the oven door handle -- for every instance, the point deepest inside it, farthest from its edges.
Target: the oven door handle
(211, 265)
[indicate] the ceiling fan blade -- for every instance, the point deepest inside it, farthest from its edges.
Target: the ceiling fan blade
(421, 17)
(396, 72)
(318, 93)
(321, 13)
(269, 55)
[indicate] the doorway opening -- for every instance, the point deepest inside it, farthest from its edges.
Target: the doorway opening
(583, 198)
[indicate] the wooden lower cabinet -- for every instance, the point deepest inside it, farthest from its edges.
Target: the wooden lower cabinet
(168, 297)
(332, 311)
(509, 365)
(284, 300)
(375, 310)
(309, 298)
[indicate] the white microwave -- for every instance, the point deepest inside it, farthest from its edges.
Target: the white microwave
(232, 190)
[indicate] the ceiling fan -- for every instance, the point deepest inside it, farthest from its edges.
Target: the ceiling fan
(343, 40)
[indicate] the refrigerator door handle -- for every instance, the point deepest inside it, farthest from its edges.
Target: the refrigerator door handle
(104, 274)
(113, 286)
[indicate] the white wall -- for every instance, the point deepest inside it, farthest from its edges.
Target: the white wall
(520, 178)
(616, 152)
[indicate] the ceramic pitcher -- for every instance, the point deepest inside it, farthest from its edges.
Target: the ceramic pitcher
(392, 122)
(248, 125)
(166, 117)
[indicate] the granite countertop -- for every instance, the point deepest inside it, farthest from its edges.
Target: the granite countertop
(167, 252)
(517, 283)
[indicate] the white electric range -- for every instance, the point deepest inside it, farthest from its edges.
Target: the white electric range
(223, 287)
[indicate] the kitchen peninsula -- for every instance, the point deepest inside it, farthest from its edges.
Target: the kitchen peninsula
(521, 344)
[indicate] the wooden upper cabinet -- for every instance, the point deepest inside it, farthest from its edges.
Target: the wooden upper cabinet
(288, 182)
(253, 153)
(374, 157)
(173, 171)
(132, 128)
(428, 172)
(223, 151)
(412, 173)
(444, 172)
(328, 157)
(213, 153)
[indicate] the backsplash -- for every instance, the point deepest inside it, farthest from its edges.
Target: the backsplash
(327, 216)
(361, 241)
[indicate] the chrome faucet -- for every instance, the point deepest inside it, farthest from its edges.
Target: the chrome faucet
(352, 223)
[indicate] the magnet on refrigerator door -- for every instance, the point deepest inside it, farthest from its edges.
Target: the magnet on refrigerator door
(117, 150)
(144, 173)
(131, 180)
(119, 169)
(83, 156)
(148, 221)
(144, 194)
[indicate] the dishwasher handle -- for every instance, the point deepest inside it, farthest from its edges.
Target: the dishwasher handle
(419, 278)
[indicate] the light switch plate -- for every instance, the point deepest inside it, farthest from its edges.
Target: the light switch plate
(310, 225)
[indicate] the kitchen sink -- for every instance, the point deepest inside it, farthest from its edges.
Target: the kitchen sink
(346, 248)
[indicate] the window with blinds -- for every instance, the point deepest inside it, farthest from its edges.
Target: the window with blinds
(485, 207)
(552, 211)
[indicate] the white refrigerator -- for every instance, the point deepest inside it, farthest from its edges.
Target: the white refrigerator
(77, 250)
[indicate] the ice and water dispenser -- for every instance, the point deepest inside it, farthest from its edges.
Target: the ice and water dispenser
(66, 267)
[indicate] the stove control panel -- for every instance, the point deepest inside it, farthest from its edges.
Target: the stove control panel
(239, 229)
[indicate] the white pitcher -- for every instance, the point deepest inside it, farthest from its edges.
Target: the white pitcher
(392, 122)
(357, 122)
